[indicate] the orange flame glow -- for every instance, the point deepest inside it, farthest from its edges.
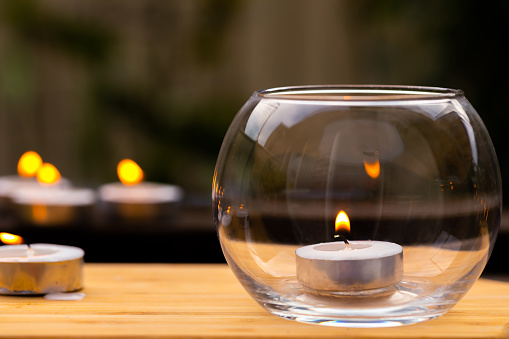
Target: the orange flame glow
(129, 172)
(10, 239)
(342, 222)
(29, 163)
(40, 214)
(48, 174)
(372, 168)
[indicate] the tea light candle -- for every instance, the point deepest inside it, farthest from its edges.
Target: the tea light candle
(356, 266)
(133, 199)
(40, 269)
(145, 200)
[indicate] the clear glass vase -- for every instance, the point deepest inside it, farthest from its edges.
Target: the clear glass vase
(359, 206)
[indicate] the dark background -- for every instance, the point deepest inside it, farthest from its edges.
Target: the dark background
(86, 83)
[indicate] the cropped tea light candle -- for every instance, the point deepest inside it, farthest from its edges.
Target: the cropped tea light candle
(132, 198)
(39, 268)
(29, 164)
(349, 267)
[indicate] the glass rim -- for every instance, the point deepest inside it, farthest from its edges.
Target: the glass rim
(362, 93)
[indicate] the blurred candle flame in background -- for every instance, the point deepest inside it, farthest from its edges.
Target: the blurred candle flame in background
(48, 174)
(129, 172)
(29, 164)
(10, 239)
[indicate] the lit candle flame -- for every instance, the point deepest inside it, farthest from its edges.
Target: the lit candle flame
(372, 168)
(10, 239)
(29, 163)
(48, 174)
(129, 172)
(342, 222)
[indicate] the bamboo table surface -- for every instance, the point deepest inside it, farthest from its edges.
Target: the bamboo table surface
(180, 300)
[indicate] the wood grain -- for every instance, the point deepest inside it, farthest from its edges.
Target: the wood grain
(189, 301)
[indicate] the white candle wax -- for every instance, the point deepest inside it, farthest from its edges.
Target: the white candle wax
(40, 269)
(142, 193)
(42, 195)
(11, 183)
(39, 253)
(333, 267)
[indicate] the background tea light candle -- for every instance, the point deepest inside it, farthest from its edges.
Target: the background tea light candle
(40, 269)
(142, 200)
(133, 199)
(332, 267)
(51, 205)
(49, 202)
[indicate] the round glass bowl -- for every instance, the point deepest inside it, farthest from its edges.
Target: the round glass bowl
(360, 206)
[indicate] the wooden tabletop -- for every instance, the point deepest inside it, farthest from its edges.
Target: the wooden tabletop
(172, 300)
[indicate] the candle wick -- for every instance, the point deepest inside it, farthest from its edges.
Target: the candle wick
(345, 240)
(342, 238)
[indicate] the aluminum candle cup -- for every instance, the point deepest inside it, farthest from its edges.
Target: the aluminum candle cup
(44, 268)
(332, 267)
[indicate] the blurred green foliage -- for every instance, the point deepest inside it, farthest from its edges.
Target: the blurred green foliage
(36, 25)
